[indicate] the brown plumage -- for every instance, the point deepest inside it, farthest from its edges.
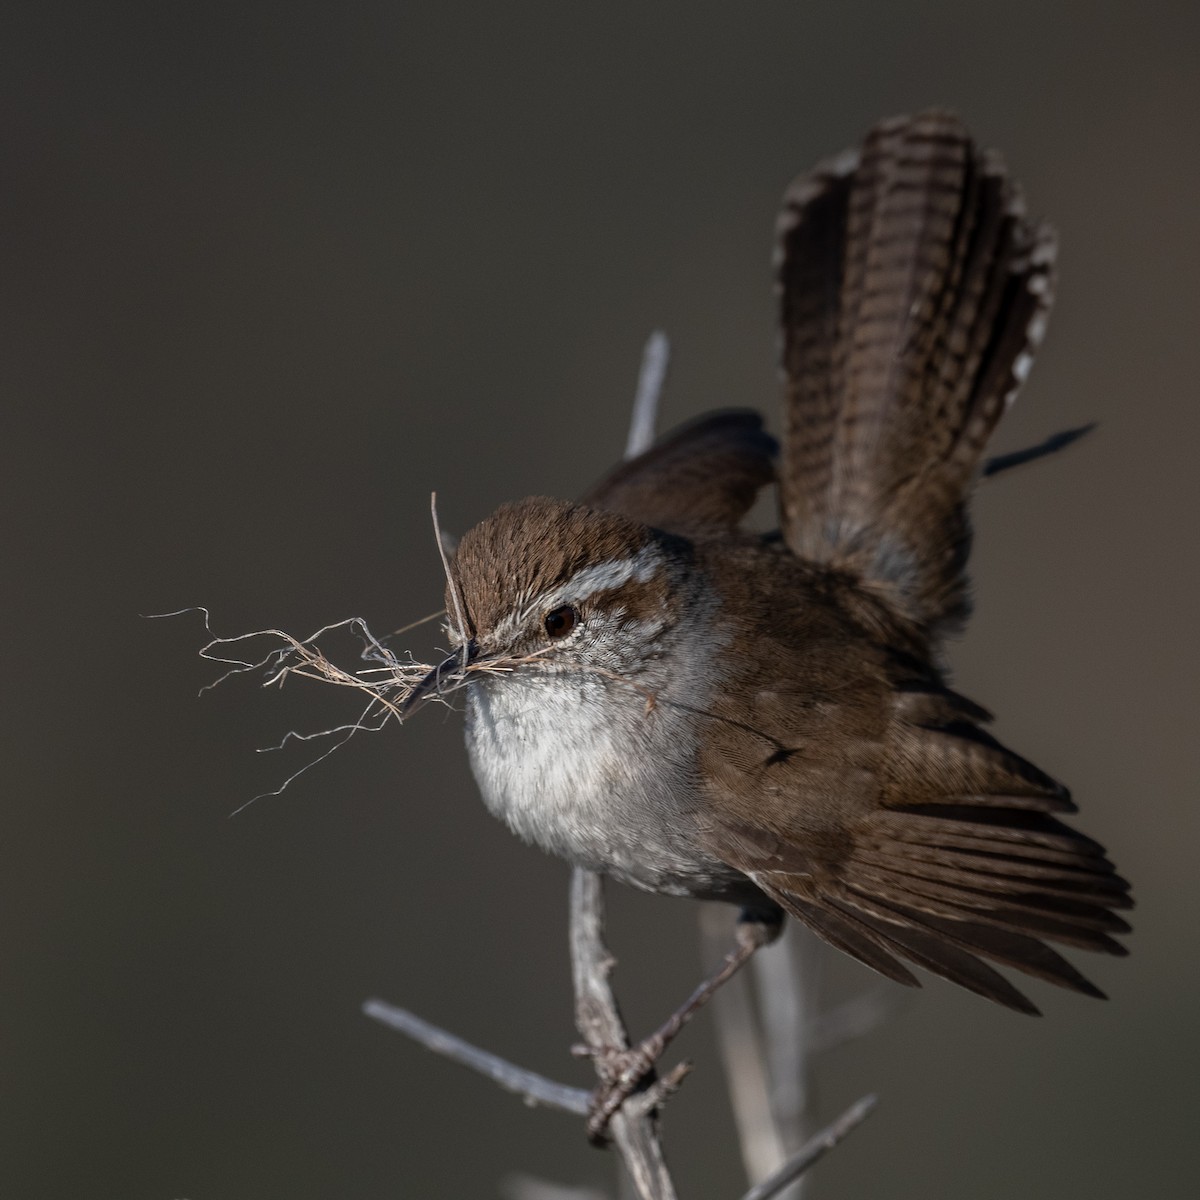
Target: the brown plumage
(790, 740)
(699, 479)
(862, 794)
(912, 294)
(864, 797)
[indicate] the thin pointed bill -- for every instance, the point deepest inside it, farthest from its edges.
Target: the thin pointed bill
(450, 671)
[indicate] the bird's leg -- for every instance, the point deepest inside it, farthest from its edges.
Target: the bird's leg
(623, 1071)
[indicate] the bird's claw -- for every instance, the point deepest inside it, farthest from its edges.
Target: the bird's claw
(622, 1072)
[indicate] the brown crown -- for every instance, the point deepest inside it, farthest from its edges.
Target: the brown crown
(528, 547)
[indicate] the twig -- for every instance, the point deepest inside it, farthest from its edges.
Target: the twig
(853, 1018)
(634, 1126)
(520, 1186)
(533, 1088)
(787, 991)
(743, 1055)
(817, 1148)
(652, 377)
(1052, 445)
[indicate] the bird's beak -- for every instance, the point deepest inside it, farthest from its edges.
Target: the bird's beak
(444, 672)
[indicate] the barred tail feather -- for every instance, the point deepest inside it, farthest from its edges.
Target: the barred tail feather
(913, 291)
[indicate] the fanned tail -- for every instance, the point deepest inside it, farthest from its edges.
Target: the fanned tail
(912, 292)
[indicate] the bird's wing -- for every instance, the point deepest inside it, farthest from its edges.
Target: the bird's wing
(870, 804)
(701, 478)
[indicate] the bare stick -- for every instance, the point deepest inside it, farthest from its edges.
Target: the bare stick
(817, 1148)
(520, 1186)
(784, 1004)
(1052, 445)
(651, 379)
(743, 1055)
(853, 1018)
(533, 1088)
(634, 1126)
(787, 991)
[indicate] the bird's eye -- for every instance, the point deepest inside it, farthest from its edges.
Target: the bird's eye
(561, 621)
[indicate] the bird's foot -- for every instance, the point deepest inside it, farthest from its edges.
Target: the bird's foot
(622, 1072)
(626, 1070)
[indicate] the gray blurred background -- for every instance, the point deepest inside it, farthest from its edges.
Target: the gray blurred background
(272, 274)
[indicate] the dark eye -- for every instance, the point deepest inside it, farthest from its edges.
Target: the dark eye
(561, 621)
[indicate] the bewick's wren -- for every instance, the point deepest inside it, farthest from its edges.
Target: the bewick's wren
(765, 720)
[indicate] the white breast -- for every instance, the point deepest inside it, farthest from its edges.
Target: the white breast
(576, 764)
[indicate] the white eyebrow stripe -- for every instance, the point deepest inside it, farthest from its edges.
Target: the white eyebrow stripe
(605, 576)
(599, 577)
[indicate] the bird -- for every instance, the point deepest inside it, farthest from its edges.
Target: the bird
(656, 693)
